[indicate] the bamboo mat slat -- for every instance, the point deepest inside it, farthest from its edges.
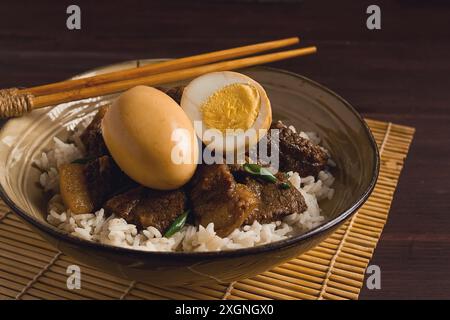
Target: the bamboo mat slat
(31, 269)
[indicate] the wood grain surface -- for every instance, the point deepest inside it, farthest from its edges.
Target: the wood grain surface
(399, 74)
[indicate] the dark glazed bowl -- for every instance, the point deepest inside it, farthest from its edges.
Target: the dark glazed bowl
(295, 99)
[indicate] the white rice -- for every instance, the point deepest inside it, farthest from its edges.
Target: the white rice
(117, 232)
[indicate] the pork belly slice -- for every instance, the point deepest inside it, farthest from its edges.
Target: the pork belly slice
(147, 207)
(73, 188)
(85, 187)
(122, 205)
(104, 179)
(92, 137)
(275, 201)
(217, 198)
(159, 208)
(297, 153)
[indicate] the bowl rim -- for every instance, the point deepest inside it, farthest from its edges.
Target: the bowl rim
(47, 228)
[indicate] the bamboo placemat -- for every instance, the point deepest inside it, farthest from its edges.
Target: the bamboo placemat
(31, 269)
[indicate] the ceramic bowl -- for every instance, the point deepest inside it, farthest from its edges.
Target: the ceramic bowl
(295, 99)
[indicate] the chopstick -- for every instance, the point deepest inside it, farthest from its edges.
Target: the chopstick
(166, 66)
(15, 102)
(162, 78)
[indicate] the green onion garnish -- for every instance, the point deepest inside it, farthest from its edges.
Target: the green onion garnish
(285, 185)
(259, 171)
(177, 224)
(263, 173)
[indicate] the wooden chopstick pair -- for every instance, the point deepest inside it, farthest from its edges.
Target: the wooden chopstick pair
(14, 102)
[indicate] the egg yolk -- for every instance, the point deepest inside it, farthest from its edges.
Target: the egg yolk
(235, 106)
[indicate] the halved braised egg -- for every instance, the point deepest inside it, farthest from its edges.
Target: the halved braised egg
(229, 105)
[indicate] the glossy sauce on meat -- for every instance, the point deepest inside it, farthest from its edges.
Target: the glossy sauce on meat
(92, 136)
(104, 178)
(147, 207)
(275, 202)
(217, 198)
(297, 153)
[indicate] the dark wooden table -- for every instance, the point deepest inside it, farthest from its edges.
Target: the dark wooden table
(400, 73)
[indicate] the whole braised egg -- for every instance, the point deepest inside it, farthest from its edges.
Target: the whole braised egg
(151, 138)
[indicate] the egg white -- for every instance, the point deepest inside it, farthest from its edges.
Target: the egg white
(200, 89)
